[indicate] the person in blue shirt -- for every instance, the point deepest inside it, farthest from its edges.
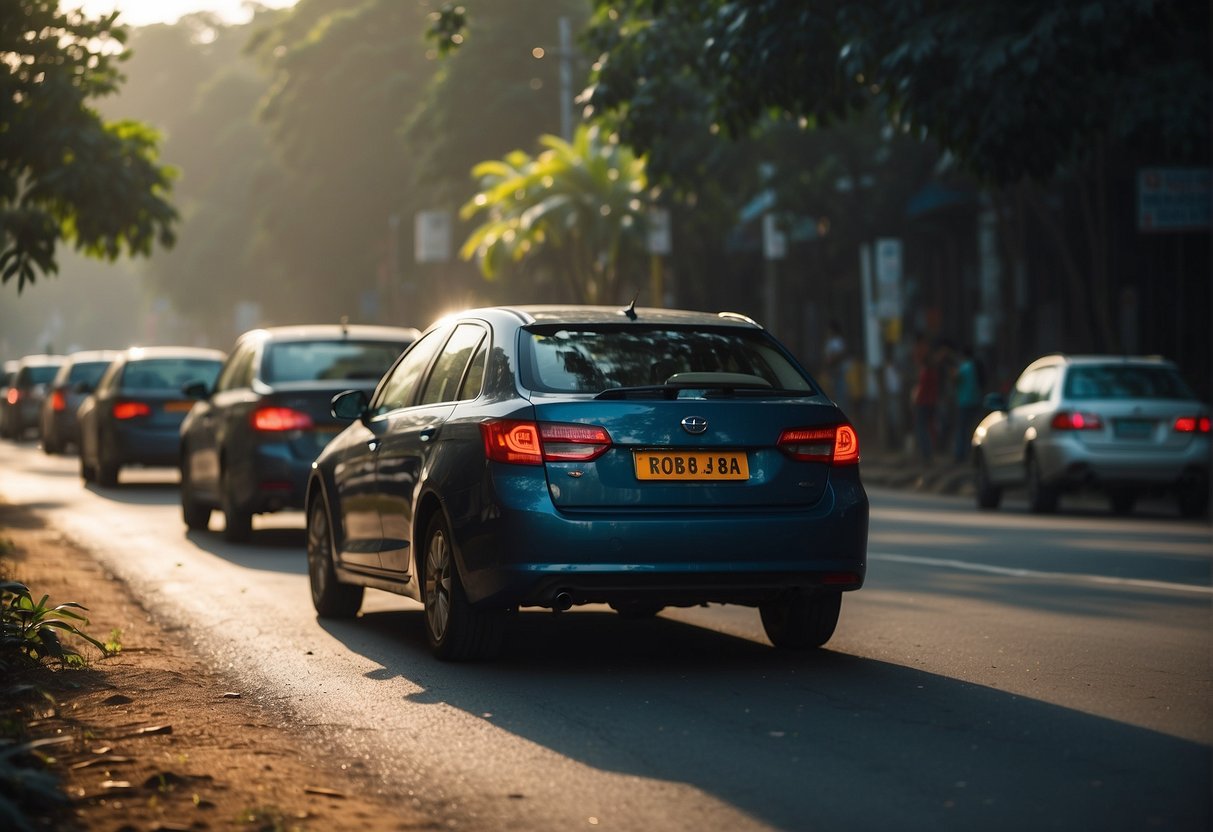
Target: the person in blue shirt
(966, 386)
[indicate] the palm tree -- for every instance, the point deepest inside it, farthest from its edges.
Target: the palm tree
(577, 203)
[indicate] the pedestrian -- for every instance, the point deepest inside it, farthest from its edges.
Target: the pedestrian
(967, 385)
(925, 398)
(836, 364)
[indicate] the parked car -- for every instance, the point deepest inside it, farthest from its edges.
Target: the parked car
(76, 378)
(1124, 425)
(20, 412)
(134, 416)
(553, 456)
(248, 445)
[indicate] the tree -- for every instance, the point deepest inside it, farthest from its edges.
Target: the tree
(66, 175)
(577, 203)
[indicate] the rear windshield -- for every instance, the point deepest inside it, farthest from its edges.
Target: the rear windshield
(88, 372)
(328, 360)
(593, 359)
(1125, 381)
(42, 374)
(168, 373)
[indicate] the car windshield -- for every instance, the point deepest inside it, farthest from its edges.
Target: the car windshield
(168, 373)
(42, 374)
(329, 360)
(87, 372)
(587, 359)
(1125, 381)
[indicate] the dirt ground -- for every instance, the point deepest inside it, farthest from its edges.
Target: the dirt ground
(154, 739)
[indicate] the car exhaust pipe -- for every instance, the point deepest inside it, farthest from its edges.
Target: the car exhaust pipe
(562, 601)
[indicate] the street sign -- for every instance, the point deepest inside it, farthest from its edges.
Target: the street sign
(888, 278)
(659, 231)
(432, 236)
(1174, 199)
(774, 241)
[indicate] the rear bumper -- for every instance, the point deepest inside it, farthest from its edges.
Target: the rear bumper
(1071, 465)
(529, 554)
(272, 479)
(144, 446)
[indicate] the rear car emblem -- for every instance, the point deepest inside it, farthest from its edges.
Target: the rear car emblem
(695, 424)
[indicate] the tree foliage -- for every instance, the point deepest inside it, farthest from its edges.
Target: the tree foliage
(577, 202)
(65, 173)
(1013, 90)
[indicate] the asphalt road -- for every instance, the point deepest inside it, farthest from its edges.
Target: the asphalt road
(999, 671)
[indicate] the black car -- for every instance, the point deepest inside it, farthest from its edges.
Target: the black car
(553, 456)
(21, 408)
(248, 445)
(77, 377)
(134, 416)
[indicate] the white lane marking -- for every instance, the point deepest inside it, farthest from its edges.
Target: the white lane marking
(1033, 573)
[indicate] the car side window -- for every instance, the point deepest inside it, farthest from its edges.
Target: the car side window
(473, 379)
(1025, 390)
(443, 384)
(1046, 381)
(236, 374)
(400, 387)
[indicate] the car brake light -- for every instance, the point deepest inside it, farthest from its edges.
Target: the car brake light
(131, 410)
(58, 401)
(838, 445)
(276, 419)
(14, 395)
(1192, 424)
(533, 443)
(1066, 420)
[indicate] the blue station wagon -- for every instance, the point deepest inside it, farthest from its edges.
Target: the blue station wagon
(557, 456)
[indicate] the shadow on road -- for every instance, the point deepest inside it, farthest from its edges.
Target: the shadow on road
(823, 741)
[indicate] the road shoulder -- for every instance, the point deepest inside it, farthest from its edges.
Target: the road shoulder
(153, 737)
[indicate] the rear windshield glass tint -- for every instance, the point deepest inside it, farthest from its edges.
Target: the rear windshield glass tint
(590, 360)
(41, 375)
(168, 373)
(1112, 381)
(329, 360)
(88, 372)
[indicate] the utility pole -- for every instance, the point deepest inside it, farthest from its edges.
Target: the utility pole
(566, 79)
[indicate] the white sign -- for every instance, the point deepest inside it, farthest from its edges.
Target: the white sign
(432, 236)
(659, 231)
(888, 278)
(1174, 199)
(774, 241)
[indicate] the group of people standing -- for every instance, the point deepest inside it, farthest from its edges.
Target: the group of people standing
(946, 399)
(935, 389)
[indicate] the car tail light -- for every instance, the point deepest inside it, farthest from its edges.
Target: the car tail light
(58, 401)
(1067, 420)
(14, 395)
(131, 410)
(276, 419)
(533, 443)
(1192, 424)
(838, 444)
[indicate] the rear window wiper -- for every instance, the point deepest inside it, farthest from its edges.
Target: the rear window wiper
(711, 385)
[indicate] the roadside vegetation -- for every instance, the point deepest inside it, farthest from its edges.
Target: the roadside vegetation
(32, 647)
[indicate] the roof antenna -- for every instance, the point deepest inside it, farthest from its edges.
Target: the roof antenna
(631, 309)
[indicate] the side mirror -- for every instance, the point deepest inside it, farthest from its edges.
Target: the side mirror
(995, 401)
(195, 390)
(350, 405)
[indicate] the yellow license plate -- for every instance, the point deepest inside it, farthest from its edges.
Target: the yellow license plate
(178, 407)
(691, 465)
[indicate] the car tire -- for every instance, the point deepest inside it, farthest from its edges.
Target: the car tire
(1121, 501)
(801, 622)
(237, 523)
(456, 630)
(197, 515)
(49, 446)
(989, 495)
(330, 597)
(107, 472)
(86, 471)
(1193, 501)
(1042, 498)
